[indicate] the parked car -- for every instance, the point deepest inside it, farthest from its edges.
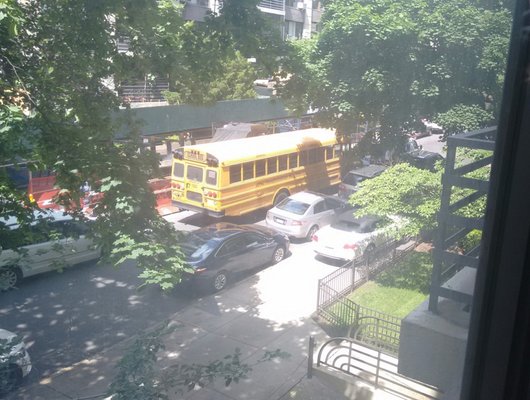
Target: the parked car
(350, 181)
(349, 237)
(219, 251)
(15, 362)
(419, 158)
(54, 240)
(302, 214)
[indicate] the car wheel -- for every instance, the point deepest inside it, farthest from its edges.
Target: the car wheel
(278, 255)
(219, 281)
(281, 196)
(10, 378)
(311, 232)
(9, 277)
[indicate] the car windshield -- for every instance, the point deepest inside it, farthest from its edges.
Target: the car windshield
(347, 226)
(197, 247)
(293, 206)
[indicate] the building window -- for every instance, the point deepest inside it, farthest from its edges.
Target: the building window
(294, 29)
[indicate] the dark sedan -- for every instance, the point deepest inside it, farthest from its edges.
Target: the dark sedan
(220, 251)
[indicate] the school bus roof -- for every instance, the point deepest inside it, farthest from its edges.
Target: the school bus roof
(240, 150)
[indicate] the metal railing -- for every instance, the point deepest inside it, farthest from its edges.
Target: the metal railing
(143, 92)
(371, 365)
(278, 5)
(367, 325)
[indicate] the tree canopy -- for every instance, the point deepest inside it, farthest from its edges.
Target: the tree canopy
(391, 63)
(58, 64)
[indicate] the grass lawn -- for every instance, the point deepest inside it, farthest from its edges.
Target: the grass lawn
(398, 290)
(389, 300)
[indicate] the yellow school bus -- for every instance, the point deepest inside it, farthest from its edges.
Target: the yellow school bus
(235, 177)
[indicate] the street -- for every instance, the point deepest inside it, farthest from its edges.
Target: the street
(70, 316)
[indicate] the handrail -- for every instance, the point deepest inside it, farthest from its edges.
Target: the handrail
(372, 365)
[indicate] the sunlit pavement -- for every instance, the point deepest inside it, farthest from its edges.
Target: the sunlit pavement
(266, 311)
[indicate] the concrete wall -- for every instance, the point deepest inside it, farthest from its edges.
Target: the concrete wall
(433, 346)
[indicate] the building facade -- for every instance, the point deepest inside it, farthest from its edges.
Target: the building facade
(297, 19)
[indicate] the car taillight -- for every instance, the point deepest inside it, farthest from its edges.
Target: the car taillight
(314, 238)
(350, 246)
(298, 223)
(200, 270)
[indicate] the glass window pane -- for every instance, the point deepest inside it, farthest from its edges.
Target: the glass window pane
(211, 177)
(248, 170)
(235, 173)
(260, 168)
(178, 170)
(194, 173)
(271, 165)
(293, 160)
(282, 163)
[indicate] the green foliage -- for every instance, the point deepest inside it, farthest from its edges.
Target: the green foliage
(391, 63)
(405, 191)
(462, 118)
(58, 110)
(235, 81)
(393, 301)
(412, 272)
(138, 377)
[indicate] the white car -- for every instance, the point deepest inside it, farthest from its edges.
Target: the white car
(54, 240)
(15, 362)
(302, 214)
(349, 237)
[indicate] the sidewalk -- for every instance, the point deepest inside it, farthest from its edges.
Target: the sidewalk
(211, 328)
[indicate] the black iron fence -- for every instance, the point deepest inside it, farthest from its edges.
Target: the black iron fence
(362, 323)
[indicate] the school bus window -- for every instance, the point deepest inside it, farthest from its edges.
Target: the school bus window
(329, 153)
(248, 170)
(178, 170)
(235, 173)
(272, 165)
(320, 156)
(194, 173)
(211, 177)
(303, 158)
(315, 155)
(282, 163)
(293, 160)
(260, 168)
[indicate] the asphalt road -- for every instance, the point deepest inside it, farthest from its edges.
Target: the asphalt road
(66, 317)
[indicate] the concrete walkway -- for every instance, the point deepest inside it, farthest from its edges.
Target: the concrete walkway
(266, 311)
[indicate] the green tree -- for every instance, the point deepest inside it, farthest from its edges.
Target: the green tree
(57, 110)
(463, 118)
(389, 63)
(235, 81)
(414, 194)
